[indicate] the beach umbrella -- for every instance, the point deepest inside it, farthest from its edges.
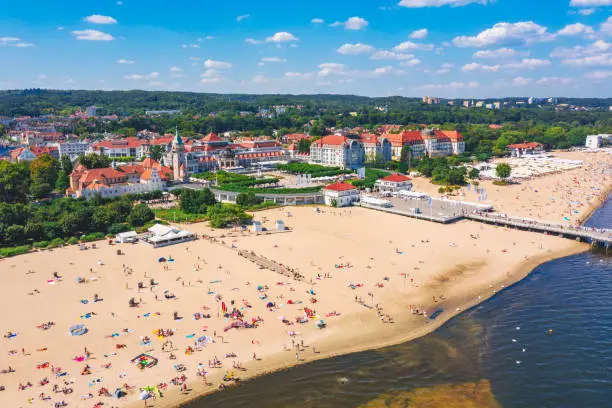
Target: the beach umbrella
(145, 395)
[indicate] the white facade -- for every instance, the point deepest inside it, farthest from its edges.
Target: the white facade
(163, 235)
(342, 198)
(71, 149)
(596, 141)
(392, 186)
(337, 151)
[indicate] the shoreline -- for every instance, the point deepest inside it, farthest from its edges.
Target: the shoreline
(519, 272)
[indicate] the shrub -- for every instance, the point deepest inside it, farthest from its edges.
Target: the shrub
(72, 241)
(41, 244)
(57, 242)
(94, 236)
(118, 227)
(14, 251)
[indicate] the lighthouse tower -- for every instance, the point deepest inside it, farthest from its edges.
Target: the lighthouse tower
(179, 172)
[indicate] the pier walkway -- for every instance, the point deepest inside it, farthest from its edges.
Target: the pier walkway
(595, 236)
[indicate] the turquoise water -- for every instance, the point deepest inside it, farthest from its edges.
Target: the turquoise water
(568, 367)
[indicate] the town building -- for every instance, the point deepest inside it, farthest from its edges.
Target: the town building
(294, 137)
(21, 154)
(71, 149)
(339, 151)
(426, 142)
(127, 147)
(340, 194)
(393, 183)
(376, 148)
(118, 180)
(50, 150)
(525, 149)
(597, 141)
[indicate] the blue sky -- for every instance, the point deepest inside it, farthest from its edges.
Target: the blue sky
(448, 48)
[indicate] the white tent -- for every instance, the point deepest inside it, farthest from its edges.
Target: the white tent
(128, 236)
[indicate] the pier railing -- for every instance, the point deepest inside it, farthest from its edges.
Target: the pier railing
(595, 236)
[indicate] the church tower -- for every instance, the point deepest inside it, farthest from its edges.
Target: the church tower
(178, 158)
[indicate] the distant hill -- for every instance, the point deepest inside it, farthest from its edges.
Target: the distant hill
(35, 102)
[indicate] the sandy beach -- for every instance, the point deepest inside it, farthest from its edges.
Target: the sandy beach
(373, 278)
(569, 195)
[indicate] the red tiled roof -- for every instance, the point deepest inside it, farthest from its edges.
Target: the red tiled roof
(43, 150)
(453, 135)
(162, 140)
(212, 137)
(396, 178)
(296, 137)
(526, 145)
(131, 169)
(369, 138)
(333, 140)
(340, 187)
(404, 138)
(128, 142)
(15, 153)
(88, 176)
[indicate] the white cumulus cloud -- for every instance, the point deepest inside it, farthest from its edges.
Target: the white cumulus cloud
(528, 64)
(390, 55)
(598, 75)
(410, 63)
(99, 19)
(217, 64)
(606, 27)
(410, 46)
(499, 53)
(475, 66)
(273, 59)
(449, 86)
(549, 81)
(576, 29)
(92, 35)
(590, 3)
(242, 17)
(355, 49)
(139, 77)
(524, 31)
(176, 69)
(352, 23)
(124, 61)
(317, 21)
(281, 37)
(419, 34)
(520, 81)
(440, 3)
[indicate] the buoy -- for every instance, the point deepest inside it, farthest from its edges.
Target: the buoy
(518, 361)
(514, 340)
(518, 328)
(524, 350)
(549, 331)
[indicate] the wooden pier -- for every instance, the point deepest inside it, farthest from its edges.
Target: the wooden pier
(595, 236)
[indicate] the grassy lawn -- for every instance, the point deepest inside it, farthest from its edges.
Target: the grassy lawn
(176, 215)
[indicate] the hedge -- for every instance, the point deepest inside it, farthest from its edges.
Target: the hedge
(13, 251)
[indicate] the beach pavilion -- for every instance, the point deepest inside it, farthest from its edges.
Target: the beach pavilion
(163, 235)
